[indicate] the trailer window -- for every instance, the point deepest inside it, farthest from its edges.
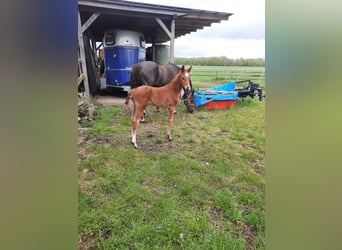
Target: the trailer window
(109, 39)
(142, 42)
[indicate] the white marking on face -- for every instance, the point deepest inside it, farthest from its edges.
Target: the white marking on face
(187, 74)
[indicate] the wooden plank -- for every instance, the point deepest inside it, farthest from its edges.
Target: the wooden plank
(134, 8)
(164, 27)
(80, 79)
(82, 52)
(172, 41)
(90, 20)
(171, 35)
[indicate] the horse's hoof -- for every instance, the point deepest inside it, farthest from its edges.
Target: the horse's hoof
(134, 145)
(170, 138)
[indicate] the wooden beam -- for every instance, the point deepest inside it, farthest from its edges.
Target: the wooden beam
(164, 27)
(90, 20)
(80, 79)
(171, 35)
(172, 41)
(83, 61)
(131, 7)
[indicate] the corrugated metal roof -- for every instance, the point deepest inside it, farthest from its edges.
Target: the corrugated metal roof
(142, 17)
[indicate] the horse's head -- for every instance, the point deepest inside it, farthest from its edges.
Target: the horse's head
(189, 102)
(185, 79)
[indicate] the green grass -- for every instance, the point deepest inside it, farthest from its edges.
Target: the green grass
(203, 190)
(227, 71)
(206, 76)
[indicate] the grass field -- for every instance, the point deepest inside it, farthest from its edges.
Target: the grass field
(203, 190)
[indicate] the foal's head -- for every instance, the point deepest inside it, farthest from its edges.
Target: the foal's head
(185, 78)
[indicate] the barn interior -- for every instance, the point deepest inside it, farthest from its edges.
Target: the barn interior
(158, 23)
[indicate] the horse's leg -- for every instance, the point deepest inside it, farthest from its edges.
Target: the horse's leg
(170, 116)
(142, 118)
(135, 125)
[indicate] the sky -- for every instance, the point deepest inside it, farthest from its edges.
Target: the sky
(242, 36)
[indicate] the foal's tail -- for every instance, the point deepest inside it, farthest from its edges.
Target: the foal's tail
(129, 96)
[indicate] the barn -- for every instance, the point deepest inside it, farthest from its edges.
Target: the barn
(157, 23)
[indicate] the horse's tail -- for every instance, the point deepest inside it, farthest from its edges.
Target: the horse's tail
(129, 96)
(134, 76)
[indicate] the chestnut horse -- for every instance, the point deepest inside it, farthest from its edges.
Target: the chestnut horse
(166, 96)
(155, 75)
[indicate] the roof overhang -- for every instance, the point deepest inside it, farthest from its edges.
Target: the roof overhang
(142, 17)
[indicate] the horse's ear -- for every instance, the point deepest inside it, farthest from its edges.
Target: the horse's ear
(183, 68)
(189, 69)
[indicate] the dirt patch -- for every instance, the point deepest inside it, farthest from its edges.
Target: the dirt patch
(87, 138)
(248, 232)
(86, 242)
(216, 218)
(109, 100)
(149, 137)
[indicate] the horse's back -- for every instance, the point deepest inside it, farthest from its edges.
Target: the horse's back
(158, 96)
(152, 74)
(144, 73)
(167, 72)
(142, 92)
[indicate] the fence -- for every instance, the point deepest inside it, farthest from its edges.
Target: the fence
(224, 74)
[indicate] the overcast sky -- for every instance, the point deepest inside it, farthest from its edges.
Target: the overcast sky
(242, 36)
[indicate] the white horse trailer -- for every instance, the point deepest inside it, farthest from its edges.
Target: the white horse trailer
(122, 49)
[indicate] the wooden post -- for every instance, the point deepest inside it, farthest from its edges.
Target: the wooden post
(172, 42)
(81, 29)
(83, 61)
(171, 35)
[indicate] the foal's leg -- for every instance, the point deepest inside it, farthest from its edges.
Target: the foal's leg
(170, 116)
(135, 124)
(142, 118)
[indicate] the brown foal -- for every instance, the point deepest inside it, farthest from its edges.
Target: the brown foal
(166, 96)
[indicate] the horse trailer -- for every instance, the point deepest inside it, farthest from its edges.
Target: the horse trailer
(122, 49)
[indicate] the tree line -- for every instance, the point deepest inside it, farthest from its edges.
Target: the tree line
(219, 61)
